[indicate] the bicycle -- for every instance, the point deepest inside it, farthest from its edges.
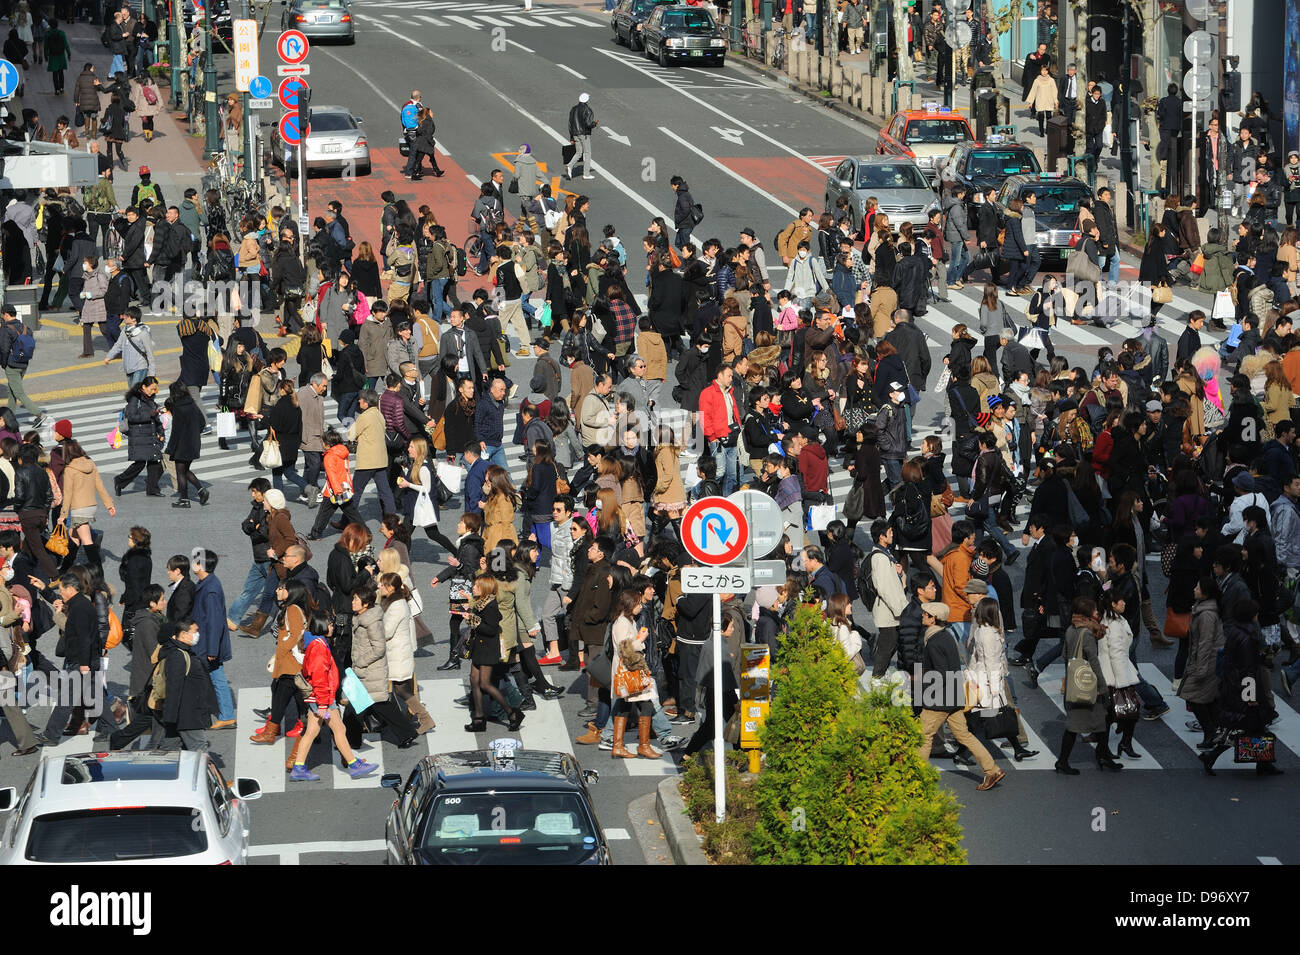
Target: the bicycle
(473, 245)
(778, 51)
(751, 43)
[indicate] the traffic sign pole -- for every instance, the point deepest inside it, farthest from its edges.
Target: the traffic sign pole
(719, 780)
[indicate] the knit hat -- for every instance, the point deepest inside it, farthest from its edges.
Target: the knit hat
(983, 418)
(994, 401)
(274, 499)
(766, 597)
(979, 567)
(1244, 482)
(63, 429)
(936, 610)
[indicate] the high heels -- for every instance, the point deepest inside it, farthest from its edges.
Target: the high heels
(1066, 769)
(1207, 761)
(476, 725)
(516, 720)
(1126, 750)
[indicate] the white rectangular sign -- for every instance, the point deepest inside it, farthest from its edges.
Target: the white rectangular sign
(293, 69)
(716, 580)
(769, 573)
(246, 66)
(267, 103)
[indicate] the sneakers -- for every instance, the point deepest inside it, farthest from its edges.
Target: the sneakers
(681, 719)
(606, 742)
(204, 495)
(359, 767)
(1194, 726)
(1155, 714)
(301, 774)
(587, 175)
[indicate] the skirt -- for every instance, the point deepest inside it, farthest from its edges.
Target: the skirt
(81, 515)
(485, 651)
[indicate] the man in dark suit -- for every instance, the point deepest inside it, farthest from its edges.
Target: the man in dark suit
(1036, 594)
(81, 640)
(462, 344)
(1169, 120)
(133, 253)
(1068, 90)
(1190, 340)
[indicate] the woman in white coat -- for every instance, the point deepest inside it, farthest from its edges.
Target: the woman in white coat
(1120, 673)
(987, 669)
(399, 647)
(629, 647)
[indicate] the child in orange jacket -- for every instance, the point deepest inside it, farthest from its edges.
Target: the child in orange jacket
(338, 487)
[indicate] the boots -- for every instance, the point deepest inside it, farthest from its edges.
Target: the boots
(267, 734)
(591, 737)
(645, 750)
(254, 627)
(620, 727)
(1105, 760)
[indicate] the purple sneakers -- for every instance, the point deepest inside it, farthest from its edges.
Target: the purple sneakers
(359, 767)
(301, 774)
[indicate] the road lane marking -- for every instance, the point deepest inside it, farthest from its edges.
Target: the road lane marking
(569, 69)
(288, 852)
(464, 21)
(788, 209)
(432, 21)
(263, 762)
(709, 106)
(521, 46)
(1264, 860)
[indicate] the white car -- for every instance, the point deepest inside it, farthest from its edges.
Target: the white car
(335, 141)
(146, 807)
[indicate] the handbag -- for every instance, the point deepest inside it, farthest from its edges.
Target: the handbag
(631, 682)
(355, 692)
(423, 515)
(1080, 679)
(58, 541)
(1177, 624)
(855, 504)
(1079, 266)
(1004, 724)
(1162, 294)
(1125, 702)
(226, 425)
(1255, 749)
(326, 368)
(451, 475)
(271, 456)
(820, 515)
(1198, 264)
(214, 355)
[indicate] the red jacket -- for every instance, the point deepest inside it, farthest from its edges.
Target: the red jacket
(713, 413)
(336, 469)
(319, 670)
(814, 468)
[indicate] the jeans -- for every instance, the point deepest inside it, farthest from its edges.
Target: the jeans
(893, 472)
(225, 700)
(684, 237)
(810, 26)
(254, 589)
(728, 465)
(958, 261)
(118, 65)
(349, 405)
(1112, 266)
(496, 453)
(279, 474)
(14, 379)
(315, 461)
(991, 527)
(438, 307)
(489, 249)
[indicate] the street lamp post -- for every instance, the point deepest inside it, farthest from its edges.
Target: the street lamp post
(211, 124)
(1125, 133)
(174, 51)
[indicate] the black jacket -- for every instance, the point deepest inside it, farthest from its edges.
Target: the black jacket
(170, 242)
(987, 224)
(990, 475)
(181, 603)
(911, 345)
(184, 437)
(191, 702)
(1188, 342)
(1094, 116)
(254, 526)
(911, 282)
(1038, 586)
(667, 302)
(133, 246)
(581, 120)
(1169, 114)
(118, 296)
(684, 208)
(31, 490)
(80, 634)
(136, 571)
(940, 668)
(910, 636)
(1107, 231)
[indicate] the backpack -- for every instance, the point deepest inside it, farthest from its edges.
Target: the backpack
(143, 191)
(22, 349)
(74, 208)
(866, 585)
(697, 213)
(462, 263)
(158, 682)
(150, 96)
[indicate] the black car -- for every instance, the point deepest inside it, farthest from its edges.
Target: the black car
(978, 166)
(629, 17)
(502, 806)
(683, 33)
(1056, 210)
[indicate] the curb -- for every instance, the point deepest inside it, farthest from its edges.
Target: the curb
(683, 842)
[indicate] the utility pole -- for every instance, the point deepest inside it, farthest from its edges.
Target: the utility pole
(1125, 134)
(211, 124)
(252, 152)
(174, 51)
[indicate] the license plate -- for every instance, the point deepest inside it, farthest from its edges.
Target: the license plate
(324, 18)
(329, 147)
(697, 52)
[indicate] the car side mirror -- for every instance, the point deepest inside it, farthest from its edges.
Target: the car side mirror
(8, 798)
(591, 776)
(845, 184)
(360, 121)
(247, 789)
(390, 781)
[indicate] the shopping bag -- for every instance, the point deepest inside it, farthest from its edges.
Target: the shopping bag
(567, 152)
(115, 439)
(355, 692)
(1223, 307)
(451, 475)
(226, 424)
(819, 515)
(214, 355)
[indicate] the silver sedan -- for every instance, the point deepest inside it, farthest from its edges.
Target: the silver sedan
(319, 19)
(334, 141)
(901, 189)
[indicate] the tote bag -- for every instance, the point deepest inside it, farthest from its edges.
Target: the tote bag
(451, 475)
(355, 691)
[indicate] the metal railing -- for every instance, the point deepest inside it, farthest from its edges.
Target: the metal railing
(749, 39)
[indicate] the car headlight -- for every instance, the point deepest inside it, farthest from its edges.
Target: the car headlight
(676, 41)
(717, 43)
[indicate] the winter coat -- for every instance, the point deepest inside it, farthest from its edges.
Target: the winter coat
(368, 432)
(1116, 666)
(1200, 679)
(1238, 709)
(288, 638)
(93, 288)
(399, 641)
(373, 339)
(285, 419)
(1217, 274)
(209, 612)
(184, 437)
(85, 93)
(1043, 96)
(955, 227)
(191, 701)
(144, 430)
(369, 657)
(625, 630)
(891, 598)
(987, 668)
(499, 521)
(913, 348)
(941, 670)
(1086, 719)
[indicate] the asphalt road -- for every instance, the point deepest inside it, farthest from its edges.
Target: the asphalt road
(754, 152)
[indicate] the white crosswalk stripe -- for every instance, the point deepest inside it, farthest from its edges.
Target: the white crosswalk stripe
(476, 16)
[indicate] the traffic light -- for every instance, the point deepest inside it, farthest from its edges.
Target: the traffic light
(304, 109)
(1230, 91)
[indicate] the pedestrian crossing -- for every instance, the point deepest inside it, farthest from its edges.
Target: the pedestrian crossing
(687, 77)
(476, 16)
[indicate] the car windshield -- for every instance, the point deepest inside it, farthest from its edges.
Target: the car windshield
(331, 123)
(645, 6)
(1002, 162)
(893, 176)
(324, 4)
(508, 828)
(936, 131)
(116, 835)
(688, 19)
(1056, 202)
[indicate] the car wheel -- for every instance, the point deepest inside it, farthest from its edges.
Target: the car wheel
(663, 55)
(363, 170)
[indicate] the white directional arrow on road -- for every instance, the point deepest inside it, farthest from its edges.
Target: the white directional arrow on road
(730, 135)
(616, 137)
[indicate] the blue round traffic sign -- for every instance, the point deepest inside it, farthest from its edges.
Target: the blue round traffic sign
(9, 79)
(288, 91)
(259, 87)
(290, 134)
(714, 531)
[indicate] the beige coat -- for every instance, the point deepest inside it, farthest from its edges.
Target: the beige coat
(369, 653)
(1043, 96)
(669, 490)
(399, 641)
(368, 432)
(650, 346)
(143, 107)
(734, 330)
(81, 482)
(499, 518)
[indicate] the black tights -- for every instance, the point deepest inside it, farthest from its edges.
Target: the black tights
(282, 692)
(186, 479)
(528, 660)
(480, 682)
(435, 534)
(1207, 716)
(1126, 727)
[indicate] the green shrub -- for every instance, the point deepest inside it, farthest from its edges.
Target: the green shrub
(728, 842)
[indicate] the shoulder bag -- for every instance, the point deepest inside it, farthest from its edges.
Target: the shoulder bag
(1080, 679)
(270, 456)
